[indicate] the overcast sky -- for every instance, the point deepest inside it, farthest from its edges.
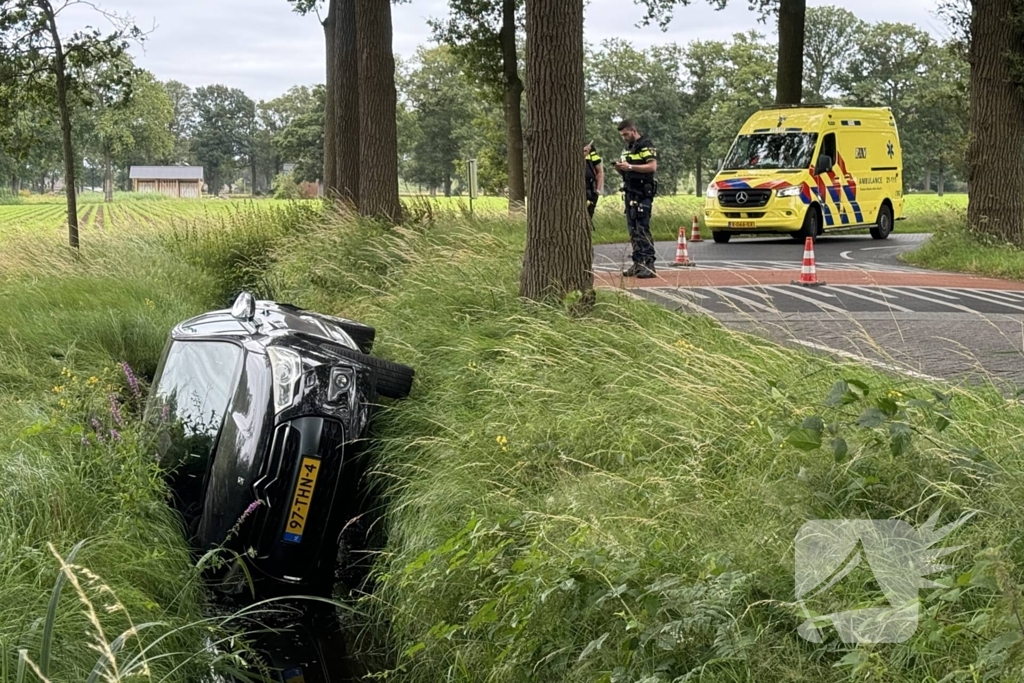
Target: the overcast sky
(264, 48)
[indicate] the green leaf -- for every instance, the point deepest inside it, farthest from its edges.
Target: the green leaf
(840, 450)
(871, 418)
(838, 395)
(888, 406)
(900, 438)
(487, 614)
(418, 647)
(804, 439)
(858, 388)
(815, 424)
(593, 646)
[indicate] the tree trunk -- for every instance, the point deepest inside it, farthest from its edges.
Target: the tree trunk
(69, 153)
(447, 186)
(942, 183)
(331, 100)
(928, 180)
(108, 175)
(347, 84)
(995, 156)
(700, 176)
(790, 75)
(558, 258)
(513, 108)
(378, 101)
(252, 172)
(15, 185)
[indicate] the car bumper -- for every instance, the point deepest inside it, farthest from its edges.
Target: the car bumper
(779, 215)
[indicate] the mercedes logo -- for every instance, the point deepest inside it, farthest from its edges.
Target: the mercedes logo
(741, 197)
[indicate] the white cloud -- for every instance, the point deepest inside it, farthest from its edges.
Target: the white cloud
(264, 48)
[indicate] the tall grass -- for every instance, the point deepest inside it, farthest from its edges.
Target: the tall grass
(955, 248)
(606, 498)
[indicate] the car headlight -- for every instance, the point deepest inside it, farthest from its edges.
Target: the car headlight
(286, 366)
(789, 192)
(712, 192)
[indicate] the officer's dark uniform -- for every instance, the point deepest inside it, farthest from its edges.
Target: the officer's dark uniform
(639, 190)
(593, 161)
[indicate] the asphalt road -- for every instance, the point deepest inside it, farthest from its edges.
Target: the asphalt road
(963, 332)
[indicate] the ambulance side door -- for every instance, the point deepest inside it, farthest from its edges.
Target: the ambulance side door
(889, 168)
(861, 186)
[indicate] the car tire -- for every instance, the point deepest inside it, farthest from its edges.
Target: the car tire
(394, 380)
(884, 227)
(721, 237)
(811, 227)
(362, 335)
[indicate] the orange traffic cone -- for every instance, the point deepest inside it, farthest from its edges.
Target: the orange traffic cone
(682, 254)
(808, 273)
(695, 234)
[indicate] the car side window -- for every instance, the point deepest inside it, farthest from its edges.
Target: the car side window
(828, 146)
(191, 397)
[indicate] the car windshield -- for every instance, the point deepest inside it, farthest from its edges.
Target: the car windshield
(771, 151)
(191, 396)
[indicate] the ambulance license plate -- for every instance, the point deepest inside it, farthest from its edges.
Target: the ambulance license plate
(741, 224)
(301, 499)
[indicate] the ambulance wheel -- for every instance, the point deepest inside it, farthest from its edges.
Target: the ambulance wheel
(884, 227)
(811, 227)
(721, 237)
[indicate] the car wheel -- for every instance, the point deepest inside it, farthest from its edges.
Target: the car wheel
(394, 380)
(721, 237)
(811, 227)
(884, 227)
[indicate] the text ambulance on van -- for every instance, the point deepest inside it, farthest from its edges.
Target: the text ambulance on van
(807, 170)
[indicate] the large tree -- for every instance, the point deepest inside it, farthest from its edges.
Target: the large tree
(482, 34)
(995, 155)
(824, 65)
(301, 141)
(378, 127)
(183, 122)
(224, 117)
(558, 258)
(791, 16)
(44, 61)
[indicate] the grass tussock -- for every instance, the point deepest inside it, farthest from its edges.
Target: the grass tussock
(954, 248)
(608, 498)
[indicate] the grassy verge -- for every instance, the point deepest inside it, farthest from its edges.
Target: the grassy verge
(609, 498)
(616, 498)
(956, 249)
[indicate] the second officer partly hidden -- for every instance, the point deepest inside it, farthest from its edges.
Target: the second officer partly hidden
(638, 166)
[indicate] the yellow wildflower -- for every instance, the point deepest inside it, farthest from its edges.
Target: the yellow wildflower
(503, 442)
(58, 389)
(94, 380)
(149, 303)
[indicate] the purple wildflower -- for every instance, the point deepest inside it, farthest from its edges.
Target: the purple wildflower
(133, 382)
(115, 435)
(115, 410)
(85, 441)
(165, 413)
(245, 515)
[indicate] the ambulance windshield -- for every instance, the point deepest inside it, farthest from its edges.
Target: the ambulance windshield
(771, 151)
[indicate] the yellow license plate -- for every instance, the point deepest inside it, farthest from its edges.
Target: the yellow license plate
(302, 497)
(741, 224)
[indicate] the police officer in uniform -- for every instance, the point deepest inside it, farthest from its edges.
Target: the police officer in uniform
(594, 176)
(638, 167)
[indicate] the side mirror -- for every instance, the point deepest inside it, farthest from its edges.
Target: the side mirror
(824, 164)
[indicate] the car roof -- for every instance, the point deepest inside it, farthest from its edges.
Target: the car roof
(271, 321)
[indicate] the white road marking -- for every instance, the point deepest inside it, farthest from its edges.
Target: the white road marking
(895, 246)
(743, 300)
(867, 361)
(906, 291)
(937, 292)
(846, 255)
(669, 294)
(819, 304)
(996, 302)
(849, 291)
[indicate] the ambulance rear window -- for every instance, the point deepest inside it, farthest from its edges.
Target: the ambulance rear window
(771, 151)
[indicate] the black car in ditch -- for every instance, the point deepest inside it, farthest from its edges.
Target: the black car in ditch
(261, 414)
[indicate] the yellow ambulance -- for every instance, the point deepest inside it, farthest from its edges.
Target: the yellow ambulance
(808, 170)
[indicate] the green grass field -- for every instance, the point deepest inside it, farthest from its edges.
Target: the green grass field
(925, 213)
(568, 499)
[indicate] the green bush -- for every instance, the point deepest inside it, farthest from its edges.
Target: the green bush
(285, 187)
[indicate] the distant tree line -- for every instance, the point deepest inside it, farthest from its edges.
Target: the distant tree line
(689, 98)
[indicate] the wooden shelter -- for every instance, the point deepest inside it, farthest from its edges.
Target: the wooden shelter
(173, 181)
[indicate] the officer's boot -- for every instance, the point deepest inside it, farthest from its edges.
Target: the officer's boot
(645, 272)
(632, 271)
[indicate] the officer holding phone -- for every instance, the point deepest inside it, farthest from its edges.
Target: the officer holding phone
(637, 167)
